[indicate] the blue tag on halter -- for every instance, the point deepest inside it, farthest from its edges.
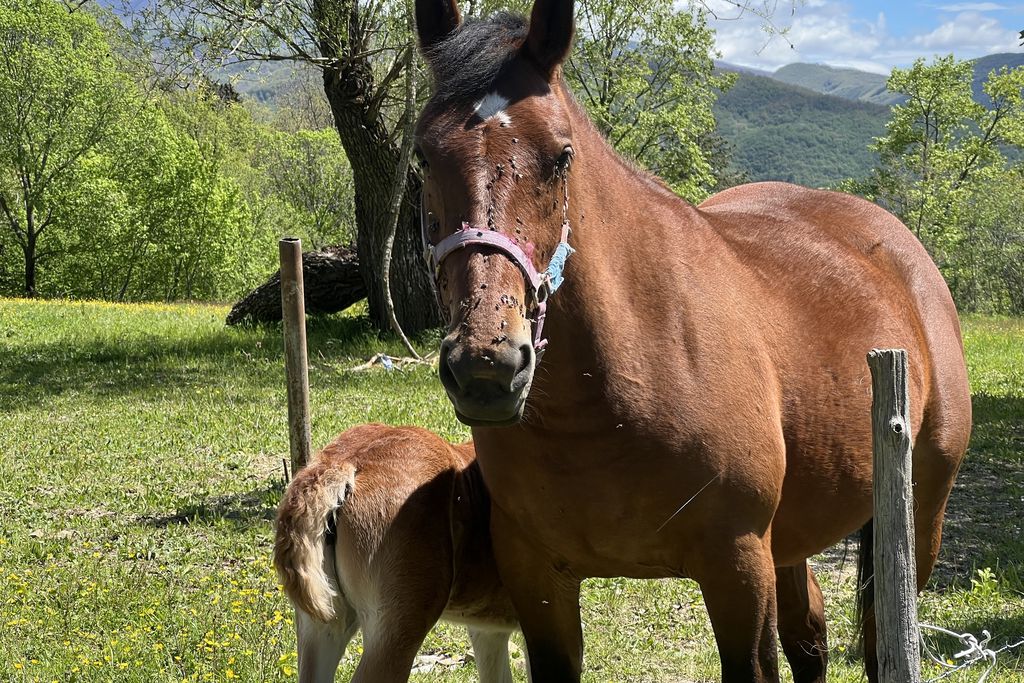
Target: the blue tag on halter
(557, 266)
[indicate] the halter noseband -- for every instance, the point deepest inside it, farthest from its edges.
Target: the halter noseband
(540, 286)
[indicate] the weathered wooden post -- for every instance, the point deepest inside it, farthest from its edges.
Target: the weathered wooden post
(293, 306)
(899, 654)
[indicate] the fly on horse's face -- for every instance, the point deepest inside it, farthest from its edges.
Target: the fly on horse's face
(496, 144)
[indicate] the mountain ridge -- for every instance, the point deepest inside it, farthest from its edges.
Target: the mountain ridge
(779, 131)
(857, 85)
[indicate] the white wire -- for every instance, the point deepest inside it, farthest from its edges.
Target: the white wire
(974, 651)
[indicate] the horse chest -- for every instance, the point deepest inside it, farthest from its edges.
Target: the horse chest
(625, 503)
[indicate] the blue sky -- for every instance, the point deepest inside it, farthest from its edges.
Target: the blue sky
(868, 34)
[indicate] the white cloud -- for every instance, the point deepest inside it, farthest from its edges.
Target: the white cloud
(968, 32)
(972, 7)
(826, 32)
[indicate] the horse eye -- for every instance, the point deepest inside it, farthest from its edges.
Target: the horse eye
(565, 160)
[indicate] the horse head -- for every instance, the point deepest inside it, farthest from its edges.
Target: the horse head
(496, 143)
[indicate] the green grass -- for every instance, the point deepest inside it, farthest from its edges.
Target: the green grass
(140, 465)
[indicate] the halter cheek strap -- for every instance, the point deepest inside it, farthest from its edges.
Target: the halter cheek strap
(540, 285)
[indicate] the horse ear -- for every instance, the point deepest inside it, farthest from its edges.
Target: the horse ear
(436, 20)
(551, 31)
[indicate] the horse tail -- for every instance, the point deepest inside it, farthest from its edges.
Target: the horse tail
(865, 578)
(306, 531)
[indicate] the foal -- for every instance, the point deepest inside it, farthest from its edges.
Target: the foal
(388, 530)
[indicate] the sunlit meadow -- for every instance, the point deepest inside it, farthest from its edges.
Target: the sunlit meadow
(141, 462)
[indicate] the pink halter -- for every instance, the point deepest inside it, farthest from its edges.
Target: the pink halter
(539, 285)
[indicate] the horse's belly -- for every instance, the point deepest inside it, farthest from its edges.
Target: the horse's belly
(820, 508)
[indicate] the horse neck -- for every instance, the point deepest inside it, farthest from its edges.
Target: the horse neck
(597, 159)
(615, 210)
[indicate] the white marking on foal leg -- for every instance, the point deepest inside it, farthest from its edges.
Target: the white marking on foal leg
(493, 106)
(490, 648)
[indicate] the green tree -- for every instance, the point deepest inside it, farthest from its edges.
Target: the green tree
(942, 157)
(987, 272)
(61, 96)
(361, 48)
(308, 171)
(152, 214)
(648, 80)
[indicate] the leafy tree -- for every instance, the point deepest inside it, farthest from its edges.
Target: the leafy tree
(942, 158)
(362, 49)
(152, 215)
(61, 96)
(987, 271)
(648, 80)
(308, 171)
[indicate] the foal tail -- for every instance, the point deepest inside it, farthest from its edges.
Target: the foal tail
(305, 520)
(865, 580)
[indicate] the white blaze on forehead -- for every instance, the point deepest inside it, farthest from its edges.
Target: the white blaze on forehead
(493, 106)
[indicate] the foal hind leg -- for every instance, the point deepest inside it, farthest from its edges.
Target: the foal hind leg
(321, 645)
(490, 649)
(391, 638)
(802, 622)
(739, 592)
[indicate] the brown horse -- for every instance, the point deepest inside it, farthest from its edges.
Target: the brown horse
(703, 409)
(409, 544)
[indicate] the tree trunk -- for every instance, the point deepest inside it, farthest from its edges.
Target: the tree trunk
(30, 261)
(332, 284)
(348, 85)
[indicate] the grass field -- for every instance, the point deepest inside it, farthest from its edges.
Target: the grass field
(140, 465)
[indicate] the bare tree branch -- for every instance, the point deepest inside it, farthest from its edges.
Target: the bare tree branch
(401, 174)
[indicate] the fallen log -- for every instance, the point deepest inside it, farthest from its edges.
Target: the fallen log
(332, 282)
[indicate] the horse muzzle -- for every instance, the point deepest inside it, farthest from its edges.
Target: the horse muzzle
(488, 387)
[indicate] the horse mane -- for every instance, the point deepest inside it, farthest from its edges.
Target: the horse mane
(467, 63)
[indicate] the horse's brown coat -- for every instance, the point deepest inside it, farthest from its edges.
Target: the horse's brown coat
(412, 547)
(714, 351)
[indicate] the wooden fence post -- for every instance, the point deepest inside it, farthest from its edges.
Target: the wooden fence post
(293, 306)
(899, 653)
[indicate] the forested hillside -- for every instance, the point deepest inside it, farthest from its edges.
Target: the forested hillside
(827, 136)
(850, 84)
(782, 132)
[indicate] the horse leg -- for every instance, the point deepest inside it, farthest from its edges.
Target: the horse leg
(391, 639)
(490, 649)
(547, 603)
(321, 645)
(397, 608)
(802, 622)
(739, 592)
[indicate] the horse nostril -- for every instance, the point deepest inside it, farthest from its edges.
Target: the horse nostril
(526, 358)
(505, 368)
(444, 367)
